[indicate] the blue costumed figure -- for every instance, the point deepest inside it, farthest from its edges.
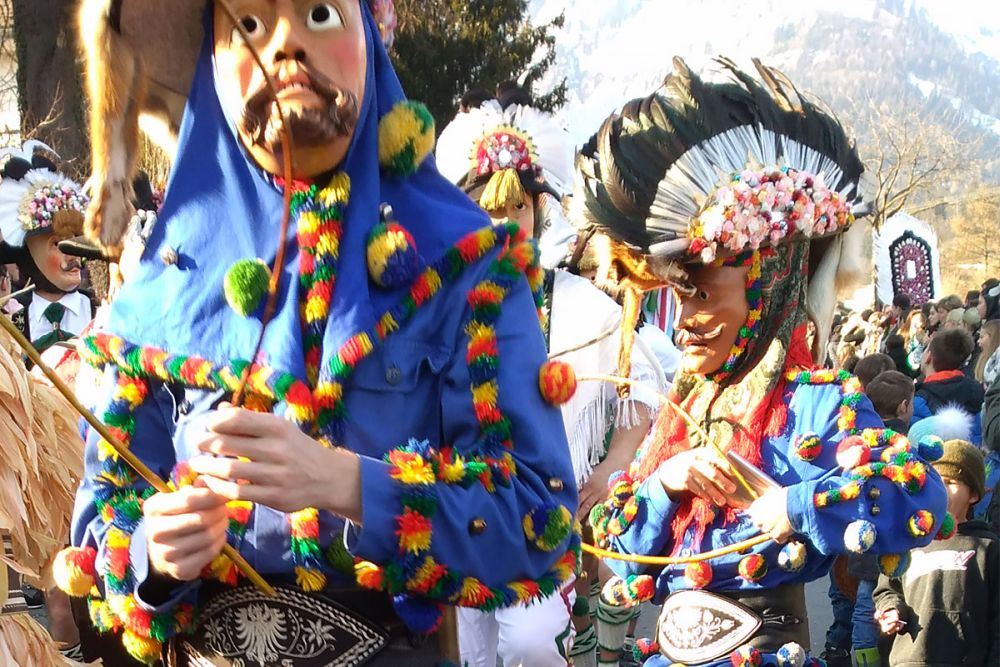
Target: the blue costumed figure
(394, 452)
(770, 467)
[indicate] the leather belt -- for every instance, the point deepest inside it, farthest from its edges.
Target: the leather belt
(697, 627)
(242, 626)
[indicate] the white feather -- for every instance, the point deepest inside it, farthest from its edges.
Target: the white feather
(893, 229)
(15, 195)
(456, 146)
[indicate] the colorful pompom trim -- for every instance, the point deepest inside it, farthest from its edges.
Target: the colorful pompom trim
(753, 568)
(852, 452)
(74, 571)
(791, 655)
(698, 575)
(405, 138)
(644, 648)
(808, 446)
(245, 285)
(557, 382)
(894, 566)
(792, 557)
(948, 527)
(746, 656)
(860, 536)
(629, 592)
(393, 260)
(930, 448)
(920, 524)
(548, 527)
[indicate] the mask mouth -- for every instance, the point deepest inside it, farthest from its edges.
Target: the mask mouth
(334, 118)
(698, 337)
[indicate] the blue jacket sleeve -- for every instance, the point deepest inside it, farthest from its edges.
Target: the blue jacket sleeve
(108, 511)
(483, 517)
(889, 501)
(647, 533)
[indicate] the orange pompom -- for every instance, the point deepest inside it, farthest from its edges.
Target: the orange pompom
(73, 571)
(557, 382)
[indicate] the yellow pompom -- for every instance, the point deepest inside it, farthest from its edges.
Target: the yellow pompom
(143, 649)
(557, 382)
(503, 189)
(311, 581)
(405, 138)
(73, 571)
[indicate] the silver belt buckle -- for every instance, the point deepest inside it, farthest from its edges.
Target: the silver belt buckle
(697, 626)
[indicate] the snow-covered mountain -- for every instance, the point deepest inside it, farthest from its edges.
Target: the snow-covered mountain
(930, 55)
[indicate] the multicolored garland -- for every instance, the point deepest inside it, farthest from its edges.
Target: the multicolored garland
(319, 215)
(755, 303)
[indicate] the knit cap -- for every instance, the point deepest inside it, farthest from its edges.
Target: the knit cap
(963, 461)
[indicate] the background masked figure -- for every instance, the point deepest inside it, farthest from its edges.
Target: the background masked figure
(753, 189)
(515, 161)
(395, 439)
(38, 209)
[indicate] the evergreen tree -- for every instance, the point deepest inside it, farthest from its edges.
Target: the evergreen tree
(445, 48)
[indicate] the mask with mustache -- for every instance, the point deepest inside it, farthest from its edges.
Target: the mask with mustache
(260, 123)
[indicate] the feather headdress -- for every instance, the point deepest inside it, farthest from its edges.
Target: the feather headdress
(35, 198)
(507, 151)
(906, 254)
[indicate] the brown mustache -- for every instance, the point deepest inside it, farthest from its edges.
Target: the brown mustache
(72, 264)
(309, 126)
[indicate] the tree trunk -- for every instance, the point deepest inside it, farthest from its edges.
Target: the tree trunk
(49, 79)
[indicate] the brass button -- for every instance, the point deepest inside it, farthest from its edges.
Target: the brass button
(875, 510)
(555, 484)
(394, 376)
(477, 526)
(874, 493)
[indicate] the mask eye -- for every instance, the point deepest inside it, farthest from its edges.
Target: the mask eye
(253, 25)
(324, 16)
(703, 295)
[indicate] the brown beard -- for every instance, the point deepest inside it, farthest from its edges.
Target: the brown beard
(310, 127)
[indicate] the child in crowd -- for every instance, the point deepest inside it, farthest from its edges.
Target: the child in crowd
(871, 366)
(945, 609)
(891, 393)
(944, 384)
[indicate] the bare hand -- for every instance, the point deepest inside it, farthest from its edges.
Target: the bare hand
(595, 490)
(185, 531)
(889, 622)
(770, 514)
(700, 471)
(281, 467)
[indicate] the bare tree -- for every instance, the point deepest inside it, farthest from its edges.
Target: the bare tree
(973, 252)
(913, 163)
(50, 95)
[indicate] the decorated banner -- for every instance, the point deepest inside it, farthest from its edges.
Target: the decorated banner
(906, 260)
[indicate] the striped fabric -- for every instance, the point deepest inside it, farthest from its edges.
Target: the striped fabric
(15, 603)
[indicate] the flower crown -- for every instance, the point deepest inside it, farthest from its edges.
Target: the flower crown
(38, 210)
(505, 147)
(766, 206)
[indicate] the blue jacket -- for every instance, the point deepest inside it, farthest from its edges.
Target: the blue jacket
(414, 387)
(824, 527)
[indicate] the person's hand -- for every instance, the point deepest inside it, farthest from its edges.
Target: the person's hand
(263, 458)
(700, 471)
(185, 531)
(890, 622)
(770, 514)
(596, 489)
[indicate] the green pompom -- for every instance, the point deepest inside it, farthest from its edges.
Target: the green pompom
(339, 558)
(246, 285)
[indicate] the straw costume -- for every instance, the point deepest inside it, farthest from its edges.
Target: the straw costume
(404, 336)
(746, 181)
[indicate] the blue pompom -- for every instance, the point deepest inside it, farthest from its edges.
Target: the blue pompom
(421, 616)
(930, 448)
(860, 536)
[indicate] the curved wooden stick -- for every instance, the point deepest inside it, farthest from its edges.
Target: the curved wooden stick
(131, 459)
(667, 560)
